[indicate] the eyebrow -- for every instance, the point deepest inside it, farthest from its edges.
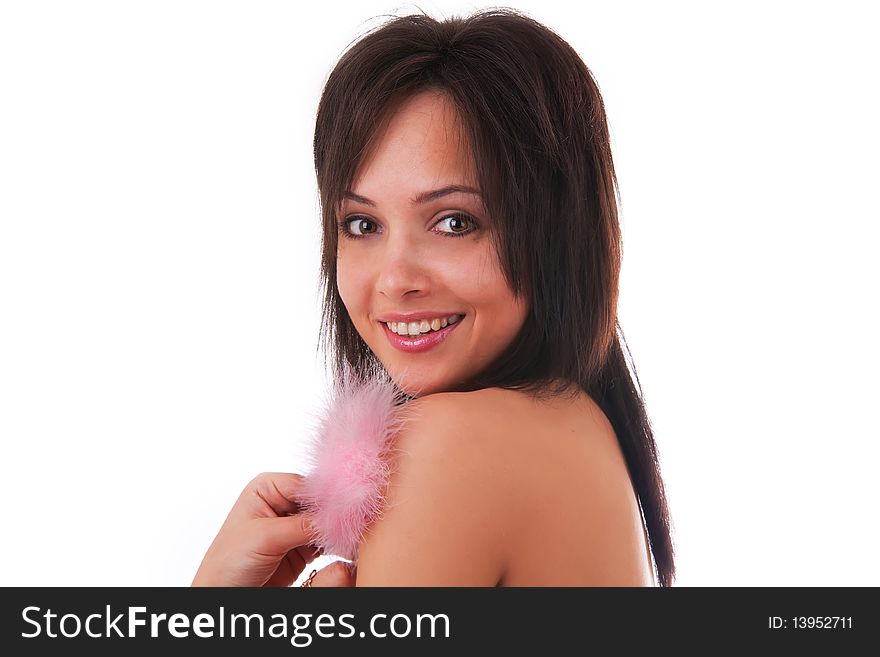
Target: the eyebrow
(423, 197)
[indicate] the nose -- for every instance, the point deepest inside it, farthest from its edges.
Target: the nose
(401, 269)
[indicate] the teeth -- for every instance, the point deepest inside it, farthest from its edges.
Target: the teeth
(423, 326)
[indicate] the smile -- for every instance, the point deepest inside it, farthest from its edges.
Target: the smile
(421, 342)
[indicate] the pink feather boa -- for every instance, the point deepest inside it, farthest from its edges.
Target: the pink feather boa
(345, 490)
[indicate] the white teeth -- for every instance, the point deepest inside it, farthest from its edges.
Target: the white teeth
(423, 326)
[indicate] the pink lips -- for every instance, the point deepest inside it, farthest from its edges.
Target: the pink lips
(421, 343)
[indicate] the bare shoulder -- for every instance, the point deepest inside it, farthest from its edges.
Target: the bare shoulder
(444, 521)
(579, 519)
(496, 487)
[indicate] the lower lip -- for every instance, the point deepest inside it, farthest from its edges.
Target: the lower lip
(422, 343)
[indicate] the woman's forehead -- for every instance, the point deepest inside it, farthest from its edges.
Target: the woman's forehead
(422, 137)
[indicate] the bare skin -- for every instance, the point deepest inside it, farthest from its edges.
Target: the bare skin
(542, 497)
(266, 542)
(584, 527)
(519, 492)
(552, 501)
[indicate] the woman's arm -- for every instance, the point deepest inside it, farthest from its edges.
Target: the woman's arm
(447, 516)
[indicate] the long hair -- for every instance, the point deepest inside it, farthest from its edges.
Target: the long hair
(535, 121)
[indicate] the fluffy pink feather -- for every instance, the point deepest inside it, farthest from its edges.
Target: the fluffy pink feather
(349, 457)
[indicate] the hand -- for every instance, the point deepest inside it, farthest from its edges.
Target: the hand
(338, 573)
(264, 541)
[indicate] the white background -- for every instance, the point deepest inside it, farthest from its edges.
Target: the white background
(159, 252)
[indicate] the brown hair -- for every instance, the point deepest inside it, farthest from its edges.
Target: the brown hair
(536, 125)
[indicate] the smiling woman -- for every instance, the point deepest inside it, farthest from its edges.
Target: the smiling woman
(406, 287)
(470, 263)
(532, 461)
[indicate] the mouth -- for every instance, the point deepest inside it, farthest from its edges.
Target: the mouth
(423, 341)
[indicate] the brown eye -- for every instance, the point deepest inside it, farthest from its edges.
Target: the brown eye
(458, 223)
(356, 226)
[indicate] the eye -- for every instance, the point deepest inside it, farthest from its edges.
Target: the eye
(357, 227)
(359, 222)
(458, 219)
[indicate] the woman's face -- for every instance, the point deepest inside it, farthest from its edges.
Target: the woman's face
(423, 257)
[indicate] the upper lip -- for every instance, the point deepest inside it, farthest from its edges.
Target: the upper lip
(417, 316)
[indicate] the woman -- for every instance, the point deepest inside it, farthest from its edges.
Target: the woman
(468, 193)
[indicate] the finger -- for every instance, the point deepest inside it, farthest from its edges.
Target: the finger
(279, 490)
(301, 556)
(289, 568)
(297, 564)
(280, 535)
(338, 573)
(307, 553)
(284, 575)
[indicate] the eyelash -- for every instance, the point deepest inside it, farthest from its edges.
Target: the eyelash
(346, 231)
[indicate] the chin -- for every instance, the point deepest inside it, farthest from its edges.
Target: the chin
(415, 385)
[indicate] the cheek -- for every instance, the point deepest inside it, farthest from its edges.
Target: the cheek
(348, 282)
(506, 319)
(502, 313)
